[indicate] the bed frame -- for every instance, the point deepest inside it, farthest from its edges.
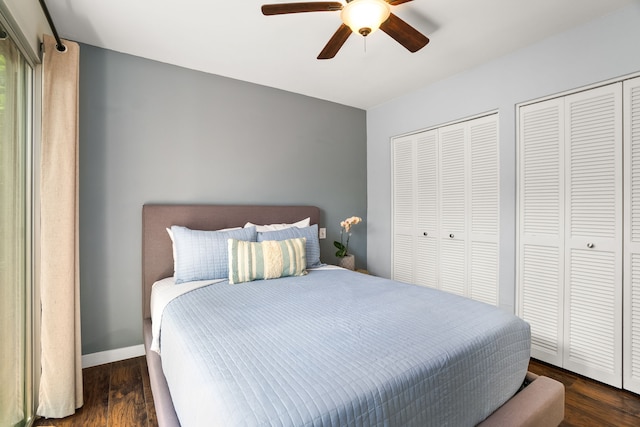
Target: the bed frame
(540, 403)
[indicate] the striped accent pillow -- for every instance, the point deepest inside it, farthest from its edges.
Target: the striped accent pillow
(266, 260)
(311, 233)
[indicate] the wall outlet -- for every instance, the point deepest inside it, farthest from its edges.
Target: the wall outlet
(322, 233)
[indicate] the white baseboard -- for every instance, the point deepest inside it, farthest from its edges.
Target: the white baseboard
(102, 357)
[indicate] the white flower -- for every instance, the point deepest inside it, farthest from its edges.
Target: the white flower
(350, 222)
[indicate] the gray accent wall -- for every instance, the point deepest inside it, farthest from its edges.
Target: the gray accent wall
(156, 133)
(600, 50)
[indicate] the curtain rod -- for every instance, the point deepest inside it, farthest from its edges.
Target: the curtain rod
(59, 45)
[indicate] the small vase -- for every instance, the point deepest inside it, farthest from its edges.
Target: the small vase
(348, 262)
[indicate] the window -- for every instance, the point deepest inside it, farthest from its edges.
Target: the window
(15, 235)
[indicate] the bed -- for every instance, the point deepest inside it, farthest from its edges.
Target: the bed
(349, 357)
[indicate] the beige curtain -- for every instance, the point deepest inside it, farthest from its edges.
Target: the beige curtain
(61, 378)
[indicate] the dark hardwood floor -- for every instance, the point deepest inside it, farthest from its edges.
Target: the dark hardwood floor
(590, 403)
(118, 395)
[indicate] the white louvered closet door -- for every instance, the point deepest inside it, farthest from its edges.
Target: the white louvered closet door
(631, 280)
(453, 208)
(484, 218)
(541, 226)
(403, 208)
(446, 208)
(426, 273)
(593, 234)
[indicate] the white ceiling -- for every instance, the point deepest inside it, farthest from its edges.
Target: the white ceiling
(232, 38)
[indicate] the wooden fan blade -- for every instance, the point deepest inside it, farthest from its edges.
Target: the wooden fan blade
(335, 43)
(397, 2)
(316, 6)
(404, 33)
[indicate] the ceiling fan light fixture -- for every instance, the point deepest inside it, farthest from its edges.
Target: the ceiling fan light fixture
(365, 16)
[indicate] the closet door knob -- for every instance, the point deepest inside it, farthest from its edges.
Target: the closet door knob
(590, 245)
(425, 234)
(451, 235)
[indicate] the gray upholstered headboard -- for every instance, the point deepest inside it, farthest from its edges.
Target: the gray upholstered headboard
(157, 257)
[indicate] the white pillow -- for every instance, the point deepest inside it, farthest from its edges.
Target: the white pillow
(173, 247)
(274, 227)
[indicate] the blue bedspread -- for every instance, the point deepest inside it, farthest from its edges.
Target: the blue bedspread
(338, 348)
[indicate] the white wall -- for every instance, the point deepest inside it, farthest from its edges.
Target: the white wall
(605, 48)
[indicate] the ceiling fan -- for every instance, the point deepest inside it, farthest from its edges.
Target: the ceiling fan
(361, 16)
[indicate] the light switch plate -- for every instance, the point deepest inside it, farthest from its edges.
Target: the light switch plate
(322, 233)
